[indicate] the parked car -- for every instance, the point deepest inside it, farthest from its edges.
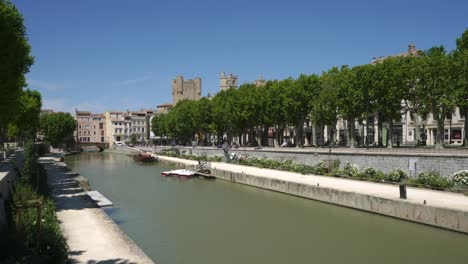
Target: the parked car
(118, 143)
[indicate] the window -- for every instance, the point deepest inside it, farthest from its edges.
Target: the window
(143, 130)
(94, 126)
(102, 139)
(79, 126)
(102, 132)
(101, 125)
(94, 132)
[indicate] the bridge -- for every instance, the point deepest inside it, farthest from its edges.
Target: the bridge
(100, 145)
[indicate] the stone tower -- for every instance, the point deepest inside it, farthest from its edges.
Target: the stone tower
(185, 89)
(227, 81)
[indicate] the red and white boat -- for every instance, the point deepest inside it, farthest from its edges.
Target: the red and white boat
(182, 173)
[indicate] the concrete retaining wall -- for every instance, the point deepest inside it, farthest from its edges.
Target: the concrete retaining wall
(439, 217)
(402, 209)
(445, 163)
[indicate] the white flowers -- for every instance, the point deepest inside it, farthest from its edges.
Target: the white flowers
(460, 177)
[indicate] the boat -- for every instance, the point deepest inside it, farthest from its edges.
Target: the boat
(181, 173)
(143, 157)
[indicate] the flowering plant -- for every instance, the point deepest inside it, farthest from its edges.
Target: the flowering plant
(460, 177)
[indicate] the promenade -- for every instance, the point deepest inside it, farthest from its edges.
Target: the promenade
(437, 208)
(91, 234)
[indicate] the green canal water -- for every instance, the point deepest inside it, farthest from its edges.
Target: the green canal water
(201, 221)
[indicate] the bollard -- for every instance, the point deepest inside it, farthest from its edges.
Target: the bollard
(402, 191)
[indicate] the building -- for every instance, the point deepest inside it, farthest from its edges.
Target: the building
(227, 81)
(90, 127)
(260, 82)
(164, 108)
(185, 89)
(122, 126)
(115, 124)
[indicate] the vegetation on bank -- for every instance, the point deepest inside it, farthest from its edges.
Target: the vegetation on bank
(30, 239)
(189, 156)
(433, 180)
(429, 83)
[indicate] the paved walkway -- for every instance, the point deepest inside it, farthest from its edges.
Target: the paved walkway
(91, 234)
(433, 198)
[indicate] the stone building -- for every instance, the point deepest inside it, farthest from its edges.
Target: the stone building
(260, 82)
(163, 108)
(185, 89)
(227, 81)
(122, 125)
(90, 127)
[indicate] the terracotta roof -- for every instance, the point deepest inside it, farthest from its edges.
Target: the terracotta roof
(165, 105)
(83, 113)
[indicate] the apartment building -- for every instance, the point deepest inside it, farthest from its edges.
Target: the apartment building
(123, 125)
(90, 127)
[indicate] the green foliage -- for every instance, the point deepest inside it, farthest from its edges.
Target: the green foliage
(177, 154)
(433, 179)
(351, 170)
(460, 177)
(57, 127)
(396, 175)
(24, 242)
(15, 61)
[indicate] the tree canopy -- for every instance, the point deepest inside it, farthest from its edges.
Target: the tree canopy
(57, 127)
(15, 60)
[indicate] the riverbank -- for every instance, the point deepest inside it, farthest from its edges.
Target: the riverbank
(445, 162)
(435, 208)
(91, 234)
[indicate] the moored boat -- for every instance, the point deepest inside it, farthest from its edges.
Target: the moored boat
(182, 173)
(143, 157)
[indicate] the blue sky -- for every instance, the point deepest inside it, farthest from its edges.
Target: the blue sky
(118, 55)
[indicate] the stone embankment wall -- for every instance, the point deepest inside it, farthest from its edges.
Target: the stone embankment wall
(444, 162)
(446, 218)
(7, 177)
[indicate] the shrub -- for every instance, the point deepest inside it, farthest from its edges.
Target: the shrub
(433, 179)
(351, 169)
(460, 177)
(396, 175)
(370, 172)
(321, 168)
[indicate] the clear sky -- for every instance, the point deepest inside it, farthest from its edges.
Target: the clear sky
(100, 55)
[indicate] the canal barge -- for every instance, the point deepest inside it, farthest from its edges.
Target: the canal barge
(140, 157)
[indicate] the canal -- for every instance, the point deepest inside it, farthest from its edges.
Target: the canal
(213, 221)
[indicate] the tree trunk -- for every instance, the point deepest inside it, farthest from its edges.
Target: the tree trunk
(380, 130)
(440, 133)
(390, 134)
(465, 138)
(351, 133)
(299, 133)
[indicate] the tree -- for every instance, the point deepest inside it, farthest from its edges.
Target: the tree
(324, 106)
(15, 60)
(435, 88)
(391, 81)
(159, 125)
(133, 138)
(27, 119)
(350, 99)
(300, 94)
(57, 127)
(461, 68)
